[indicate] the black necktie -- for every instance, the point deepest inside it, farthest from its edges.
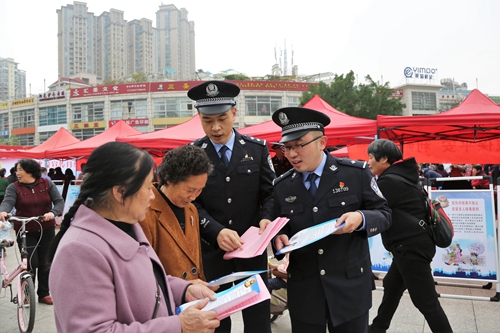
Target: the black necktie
(223, 156)
(312, 179)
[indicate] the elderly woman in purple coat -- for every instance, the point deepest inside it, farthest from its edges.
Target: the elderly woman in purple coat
(105, 277)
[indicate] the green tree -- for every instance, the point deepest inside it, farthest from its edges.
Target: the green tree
(139, 77)
(13, 141)
(236, 77)
(364, 100)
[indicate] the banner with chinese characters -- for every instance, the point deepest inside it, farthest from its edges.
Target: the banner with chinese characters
(131, 122)
(472, 254)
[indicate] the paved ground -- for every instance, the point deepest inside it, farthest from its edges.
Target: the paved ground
(465, 315)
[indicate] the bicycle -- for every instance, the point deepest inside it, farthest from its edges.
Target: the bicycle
(26, 296)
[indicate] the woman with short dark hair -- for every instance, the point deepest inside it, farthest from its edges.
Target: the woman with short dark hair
(105, 276)
(33, 195)
(172, 223)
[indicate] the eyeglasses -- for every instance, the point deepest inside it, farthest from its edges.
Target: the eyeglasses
(298, 148)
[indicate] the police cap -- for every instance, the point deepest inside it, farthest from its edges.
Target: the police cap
(214, 97)
(297, 122)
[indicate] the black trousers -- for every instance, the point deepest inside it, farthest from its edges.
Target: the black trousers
(357, 325)
(38, 262)
(411, 269)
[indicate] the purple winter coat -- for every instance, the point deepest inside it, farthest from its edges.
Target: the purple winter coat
(102, 280)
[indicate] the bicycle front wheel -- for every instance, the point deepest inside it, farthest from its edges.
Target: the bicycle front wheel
(26, 306)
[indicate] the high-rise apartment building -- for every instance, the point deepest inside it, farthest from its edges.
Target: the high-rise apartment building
(111, 45)
(175, 43)
(12, 80)
(140, 47)
(77, 40)
(113, 49)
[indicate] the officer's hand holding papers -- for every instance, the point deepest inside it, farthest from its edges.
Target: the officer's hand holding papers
(255, 244)
(311, 235)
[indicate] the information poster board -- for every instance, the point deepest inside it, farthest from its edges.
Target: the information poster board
(473, 252)
(73, 191)
(381, 258)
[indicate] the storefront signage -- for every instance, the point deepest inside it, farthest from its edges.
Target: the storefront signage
(88, 125)
(131, 122)
(397, 93)
(420, 73)
(58, 94)
(4, 105)
(24, 101)
(134, 88)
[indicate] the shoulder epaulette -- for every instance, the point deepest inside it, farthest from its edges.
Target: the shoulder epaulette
(197, 142)
(283, 176)
(253, 139)
(357, 164)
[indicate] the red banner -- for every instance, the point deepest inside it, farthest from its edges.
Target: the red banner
(131, 122)
(144, 87)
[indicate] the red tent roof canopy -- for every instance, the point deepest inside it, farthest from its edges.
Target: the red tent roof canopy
(343, 129)
(168, 138)
(86, 147)
(476, 119)
(60, 139)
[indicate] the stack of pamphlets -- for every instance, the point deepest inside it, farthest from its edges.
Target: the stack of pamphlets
(255, 244)
(246, 293)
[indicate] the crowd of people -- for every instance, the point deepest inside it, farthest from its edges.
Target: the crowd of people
(140, 239)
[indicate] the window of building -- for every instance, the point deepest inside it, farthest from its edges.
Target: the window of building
(425, 101)
(129, 109)
(88, 112)
(262, 105)
(45, 135)
(23, 118)
(26, 139)
(53, 115)
(293, 101)
(4, 125)
(83, 134)
(172, 107)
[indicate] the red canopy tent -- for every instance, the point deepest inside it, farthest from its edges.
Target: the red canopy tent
(168, 138)
(60, 139)
(85, 148)
(442, 151)
(343, 129)
(476, 119)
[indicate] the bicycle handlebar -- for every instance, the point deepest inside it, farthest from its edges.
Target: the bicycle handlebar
(9, 217)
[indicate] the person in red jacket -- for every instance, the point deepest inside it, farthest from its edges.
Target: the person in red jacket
(479, 184)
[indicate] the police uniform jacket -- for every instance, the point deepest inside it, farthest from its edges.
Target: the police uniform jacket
(236, 197)
(179, 251)
(337, 267)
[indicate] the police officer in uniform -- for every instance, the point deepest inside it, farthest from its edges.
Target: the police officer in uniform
(280, 163)
(329, 281)
(238, 193)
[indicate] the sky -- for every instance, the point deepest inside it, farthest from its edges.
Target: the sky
(379, 38)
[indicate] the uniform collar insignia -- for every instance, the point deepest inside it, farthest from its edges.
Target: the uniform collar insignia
(291, 199)
(294, 174)
(333, 168)
(242, 141)
(352, 162)
(204, 145)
